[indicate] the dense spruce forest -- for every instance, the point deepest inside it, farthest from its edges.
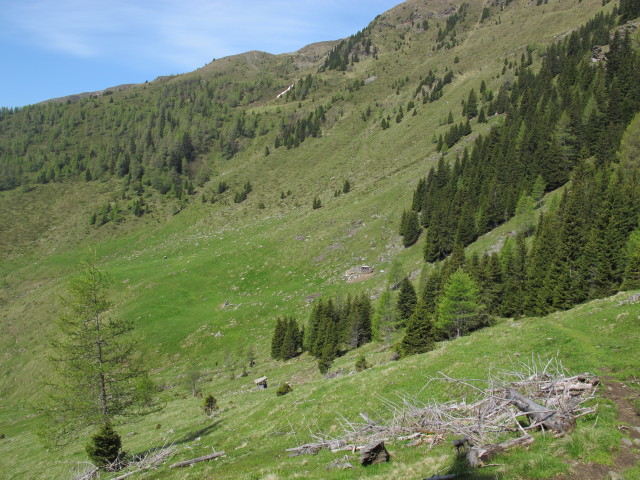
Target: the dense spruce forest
(563, 126)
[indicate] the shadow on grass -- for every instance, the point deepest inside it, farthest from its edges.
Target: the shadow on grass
(463, 471)
(189, 437)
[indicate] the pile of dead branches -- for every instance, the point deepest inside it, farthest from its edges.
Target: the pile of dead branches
(533, 395)
(147, 461)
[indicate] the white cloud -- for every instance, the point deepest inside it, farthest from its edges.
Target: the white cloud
(184, 33)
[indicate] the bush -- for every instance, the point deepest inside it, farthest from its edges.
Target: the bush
(2, 435)
(210, 404)
(283, 389)
(104, 447)
(361, 363)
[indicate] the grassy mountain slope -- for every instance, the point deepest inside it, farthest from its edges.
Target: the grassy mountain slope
(174, 272)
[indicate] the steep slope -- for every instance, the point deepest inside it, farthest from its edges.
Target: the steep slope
(177, 264)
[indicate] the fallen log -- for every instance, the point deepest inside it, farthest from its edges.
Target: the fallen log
(346, 448)
(480, 455)
(199, 459)
(122, 477)
(448, 476)
(550, 419)
(306, 450)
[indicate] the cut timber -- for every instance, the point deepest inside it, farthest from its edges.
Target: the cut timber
(196, 460)
(550, 419)
(478, 456)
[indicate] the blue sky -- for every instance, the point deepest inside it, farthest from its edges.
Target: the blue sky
(53, 48)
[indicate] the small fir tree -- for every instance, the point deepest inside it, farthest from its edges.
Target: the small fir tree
(277, 340)
(104, 447)
(210, 404)
(419, 334)
(407, 299)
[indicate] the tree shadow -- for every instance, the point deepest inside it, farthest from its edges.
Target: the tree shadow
(463, 471)
(189, 437)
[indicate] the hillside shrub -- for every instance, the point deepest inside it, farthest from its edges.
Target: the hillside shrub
(361, 363)
(210, 404)
(283, 389)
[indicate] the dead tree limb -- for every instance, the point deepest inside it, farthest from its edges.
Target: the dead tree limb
(199, 459)
(478, 456)
(550, 419)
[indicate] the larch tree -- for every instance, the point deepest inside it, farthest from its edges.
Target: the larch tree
(97, 375)
(459, 307)
(419, 334)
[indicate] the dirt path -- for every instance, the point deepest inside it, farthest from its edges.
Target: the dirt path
(629, 424)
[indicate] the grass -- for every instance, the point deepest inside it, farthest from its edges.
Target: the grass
(173, 274)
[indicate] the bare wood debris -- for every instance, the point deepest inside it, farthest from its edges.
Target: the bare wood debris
(147, 461)
(535, 395)
(199, 459)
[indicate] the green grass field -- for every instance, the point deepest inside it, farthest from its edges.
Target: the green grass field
(174, 272)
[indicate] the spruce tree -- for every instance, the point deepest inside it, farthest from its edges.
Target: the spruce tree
(277, 340)
(514, 277)
(407, 300)
(104, 447)
(419, 334)
(482, 116)
(412, 229)
(289, 348)
(359, 321)
(472, 105)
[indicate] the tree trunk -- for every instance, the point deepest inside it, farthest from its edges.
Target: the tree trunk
(550, 419)
(478, 456)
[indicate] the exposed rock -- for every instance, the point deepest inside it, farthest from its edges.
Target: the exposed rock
(340, 464)
(311, 297)
(374, 453)
(357, 274)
